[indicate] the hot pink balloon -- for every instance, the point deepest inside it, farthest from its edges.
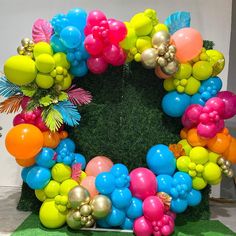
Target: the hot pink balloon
(111, 53)
(29, 116)
(95, 17)
(207, 130)
(89, 183)
(98, 165)
(188, 42)
(191, 116)
(117, 31)
(39, 122)
(37, 111)
(97, 65)
(216, 104)
(18, 119)
(153, 208)
(94, 46)
(24, 102)
(121, 58)
(142, 227)
(143, 183)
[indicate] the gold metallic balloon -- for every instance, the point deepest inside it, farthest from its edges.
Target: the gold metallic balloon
(167, 55)
(148, 58)
(25, 42)
(21, 50)
(224, 167)
(85, 210)
(78, 196)
(221, 161)
(226, 172)
(160, 37)
(84, 220)
(230, 173)
(76, 215)
(172, 56)
(172, 49)
(101, 206)
(171, 68)
(162, 61)
(228, 163)
(90, 223)
(162, 49)
(72, 223)
(31, 43)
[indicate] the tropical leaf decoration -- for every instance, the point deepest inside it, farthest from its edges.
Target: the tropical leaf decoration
(79, 96)
(177, 21)
(62, 96)
(69, 113)
(11, 104)
(8, 89)
(29, 90)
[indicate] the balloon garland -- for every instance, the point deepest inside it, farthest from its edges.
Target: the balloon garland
(40, 81)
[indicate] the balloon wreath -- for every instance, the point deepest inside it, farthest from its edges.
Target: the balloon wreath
(40, 81)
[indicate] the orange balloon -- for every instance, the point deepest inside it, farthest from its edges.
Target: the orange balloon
(184, 133)
(159, 73)
(194, 139)
(219, 143)
(26, 162)
(51, 139)
(230, 153)
(24, 141)
(63, 134)
(89, 183)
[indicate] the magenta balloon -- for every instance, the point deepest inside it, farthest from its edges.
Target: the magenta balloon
(142, 227)
(94, 46)
(111, 53)
(220, 125)
(117, 31)
(191, 116)
(97, 65)
(121, 58)
(39, 122)
(216, 104)
(24, 102)
(153, 208)
(18, 119)
(207, 130)
(95, 17)
(143, 183)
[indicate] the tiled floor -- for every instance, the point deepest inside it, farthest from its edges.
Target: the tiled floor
(10, 218)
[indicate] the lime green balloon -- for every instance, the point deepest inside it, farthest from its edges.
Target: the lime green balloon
(202, 70)
(45, 63)
(215, 182)
(141, 24)
(168, 84)
(67, 185)
(192, 86)
(213, 157)
(42, 48)
(20, 70)
(199, 155)
(60, 60)
(199, 168)
(186, 146)
(217, 60)
(143, 43)
(184, 71)
(130, 39)
(159, 27)
(199, 183)
(192, 173)
(50, 216)
(52, 189)
(183, 163)
(41, 196)
(61, 172)
(44, 81)
(211, 172)
(66, 82)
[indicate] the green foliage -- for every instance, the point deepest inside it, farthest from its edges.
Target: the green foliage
(29, 90)
(208, 44)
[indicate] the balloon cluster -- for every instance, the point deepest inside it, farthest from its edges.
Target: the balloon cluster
(102, 41)
(225, 166)
(26, 47)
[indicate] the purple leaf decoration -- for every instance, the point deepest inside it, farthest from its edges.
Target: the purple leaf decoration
(42, 31)
(79, 96)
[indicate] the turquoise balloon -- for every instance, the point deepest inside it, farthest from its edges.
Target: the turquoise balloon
(164, 183)
(81, 69)
(135, 209)
(77, 17)
(105, 183)
(119, 169)
(66, 143)
(121, 198)
(178, 205)
(115, 218)
(128, 224)
(70, 37)
(46, 158)
(194, 197)
(79, 158)
(25, 172)
(56, 44)
(182, 178)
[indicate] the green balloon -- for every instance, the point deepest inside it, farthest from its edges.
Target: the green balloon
(199, 155)
(192, 86)
(182, 163)
(199, 183)
(52, 189)
(61, 172)
(60, 60)
(202, 70)
(212, 172)
(130, 39)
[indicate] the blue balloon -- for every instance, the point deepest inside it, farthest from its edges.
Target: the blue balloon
(46, 157)
(164, 183)
(56, 44)
(70, 37)
(213, 83)
(135, 208)
(178, 205)
(79, 158)
(128, 224)
(121, 198)
(174, 104)
(81, 69)
(197, 99)
(59, 22)
(194, 197)
(24, 172)
(85, 54)
(66, 157)
(67, 144)
(116, 217)
(105, 183)
(38, 177)
(102, 223)
(182, 178)
(77, 17)
(161, 160)
(119, 169)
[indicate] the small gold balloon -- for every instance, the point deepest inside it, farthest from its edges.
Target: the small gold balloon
(172, 56)
(226, 172)
(101, 206)
(221, 161)
(172, 49)
(160, 37)
(21, 50)
(167, 55)
(228, 163)
(224, 167)
(171, 68)
(84, 220)
(230, 173)
(78, 196)
(89, 223)
(148, 58)
(31, 43)
(90, 217)
(72, 223)
(162, 49)
(85, 210)
(25, 42)
(76, 215)
(162, 61)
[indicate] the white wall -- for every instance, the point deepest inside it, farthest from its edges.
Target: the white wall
(211, 17)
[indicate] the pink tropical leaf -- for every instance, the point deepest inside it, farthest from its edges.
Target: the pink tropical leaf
(42, 31)
(79, 96)
(76, 172)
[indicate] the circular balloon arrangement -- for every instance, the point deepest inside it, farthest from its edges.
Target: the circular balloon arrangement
(39, 80)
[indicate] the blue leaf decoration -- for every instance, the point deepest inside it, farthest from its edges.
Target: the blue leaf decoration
(8, 89)
(69, 113)
(177, 21)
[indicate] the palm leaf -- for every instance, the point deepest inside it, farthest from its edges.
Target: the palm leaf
(69, 113)
(52, 118)
(11, 104)
(79, 96)
(7, 89)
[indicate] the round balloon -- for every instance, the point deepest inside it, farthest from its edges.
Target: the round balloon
(89, 183)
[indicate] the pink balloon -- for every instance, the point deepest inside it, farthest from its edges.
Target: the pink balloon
(94, 46)
(111, 53)
(117, 31)
(28, 116)
(89, 183)
(37, 111)
(153, 208)
(18, 119)
(98, 165)
(142, 227)
(121, 58)
(97, 65)
(24, 102)
(95, 17)
(216, 104)
(188, 42)
(207, 130)
(143, 183)
(39, 122)
(191, 116)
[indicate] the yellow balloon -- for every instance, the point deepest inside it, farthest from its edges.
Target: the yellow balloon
(45, 63)
(41, 196)
(212, 172)
(61, 172)
(66, 82)
(217, 60)
(213, 157)
(130, 39)
(199, 183)
(67, 185)
(20, 70)
(52, 189)
(192, 86)
(42, 48)
(143, 43)
(60, 60)
(159, 27)
(186, 146)
(202, 70)
(184, 72)
(168, 84)
(199, 155)
(183, 163)
(44, 81)
(82, 176)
